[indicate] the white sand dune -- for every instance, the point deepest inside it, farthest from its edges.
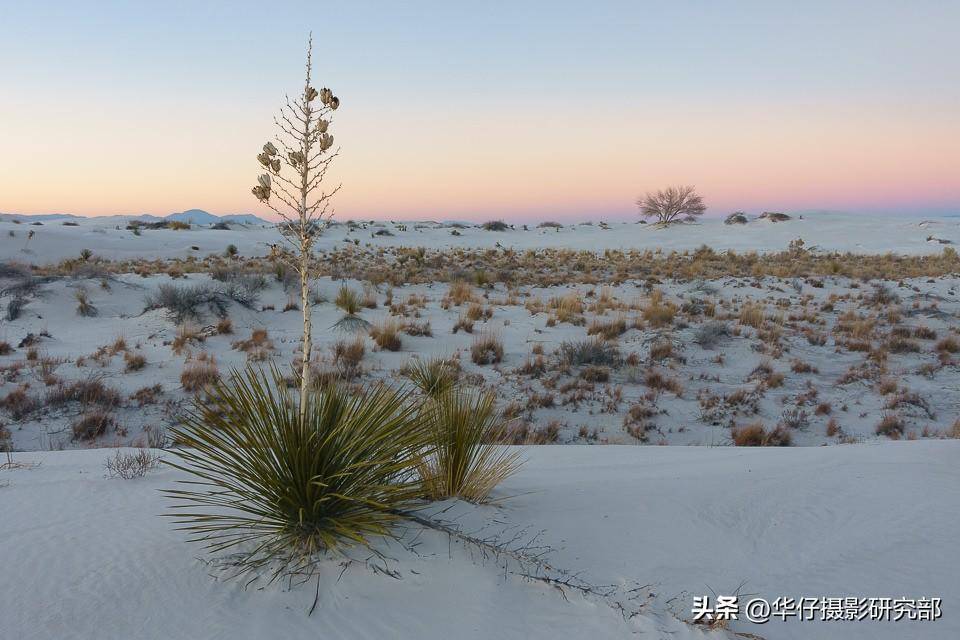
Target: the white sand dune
(108, 238)
(88, 557)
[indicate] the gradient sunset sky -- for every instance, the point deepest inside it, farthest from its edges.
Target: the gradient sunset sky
(520, 110)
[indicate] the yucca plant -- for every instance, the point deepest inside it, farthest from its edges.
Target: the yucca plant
(276, 489)
(459, 464)
(432, 377)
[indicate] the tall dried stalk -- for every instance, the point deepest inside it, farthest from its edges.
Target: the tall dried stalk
(293, 188)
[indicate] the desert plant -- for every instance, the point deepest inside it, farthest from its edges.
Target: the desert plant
(593, 351)
(298, 194)
(84, 306)
(671, 203)
(294, 483)
(495, 225)
(387, 335)
(131, 465)
(460, 464)
(487, 348)
(432, 377)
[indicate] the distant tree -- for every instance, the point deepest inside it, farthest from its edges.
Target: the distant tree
(293, 188)
(671, 203)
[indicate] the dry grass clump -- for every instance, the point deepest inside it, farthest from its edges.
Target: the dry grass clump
(752, 315)
(387, 334)
(187, 334)
(200, 374)
(948, 345)
(5, 348)
(525, 433)
(348, 300)
(464, 324)
(85, 308)
(19, 403)
(756, 435)
(593, 351)
(258, 346)
(90, 391)
(891, 425)
(348, 357)
(609, 330)
(132, 465)
(147, 395)
(460, 292)
(133, 361)
(487, 348)
(659, 381)
(460, 464)
(92, 425)
(567, 308)
(418, 329)
(661, 350)
(225, 326)
(659, 312)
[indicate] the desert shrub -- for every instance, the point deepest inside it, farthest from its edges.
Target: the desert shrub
(225, 326)
(418, 329)
(737, 217)
(460, 464)
(495, 225)
(550, 225)
(609, 330)
(460, 292)
(15, 307)
(709, 334)
(89, 391)
(433, 377)
(346, 472)
(19, 403)
(752, 315)
(890, 425)
(658, 312)
(187, 302)
(774, 216)
(133, 361)
(85, 308)
(595, 374)
(258, 346)
(348, 300)
(387, 335)
(198, 375)
(948, 345)
(348, 356)
(132, 465)
(92, 425)
(755, 435)
(486, 349)
(593, 351)
(661, 350)
(5, 348)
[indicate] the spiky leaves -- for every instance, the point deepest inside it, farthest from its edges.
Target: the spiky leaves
(460, 464)
(278, 489)
(433, 378)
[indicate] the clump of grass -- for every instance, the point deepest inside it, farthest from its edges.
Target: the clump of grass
(19, 403)
(609, 330)
(85, 308)
(460, 464)
(752, 315)
(659, 312)
(200, 374)
(348, 357)
(258, 346)
(460, 292)
(348, 300)
(387, 335)
(92, 425)
(487, 348)
(133, 361)
(755, 435)
(593, 351)
(347, 471)
(495, 225)
(5, 348)
(891, 425)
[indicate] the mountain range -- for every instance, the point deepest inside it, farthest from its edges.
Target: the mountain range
(191, 216)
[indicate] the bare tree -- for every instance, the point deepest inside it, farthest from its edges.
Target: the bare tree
(293, 188)
(670, 203)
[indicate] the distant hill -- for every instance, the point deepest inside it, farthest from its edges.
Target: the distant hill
(199, 216)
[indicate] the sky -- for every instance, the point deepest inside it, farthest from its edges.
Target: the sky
(515, 110)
